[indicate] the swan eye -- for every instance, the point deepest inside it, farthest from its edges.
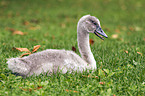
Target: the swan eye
(93, 22)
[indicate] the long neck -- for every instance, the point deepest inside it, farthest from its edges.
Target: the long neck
(84, 47)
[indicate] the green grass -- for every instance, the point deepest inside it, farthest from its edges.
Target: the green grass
(124, 73)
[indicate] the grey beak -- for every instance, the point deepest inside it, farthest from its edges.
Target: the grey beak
(99, 32)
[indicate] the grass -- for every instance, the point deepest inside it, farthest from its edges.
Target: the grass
(52, 24)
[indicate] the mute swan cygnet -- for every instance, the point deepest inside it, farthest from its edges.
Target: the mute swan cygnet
(50, 60)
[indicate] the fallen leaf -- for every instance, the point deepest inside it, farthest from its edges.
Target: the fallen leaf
(114, 95)
(10, 29)
(123, 7)
(14, 32)
(131, 29)
(25, 54)
(91, 41)
(139, 53)
(102, 83)
(107, 29)
(22, 49)
(117, 30)
(39, 87)
(18, 32)
(124, 28)
(144, 39)
(91, 76)
(26, 50)
(126, 52)
(26, 22)
(36, 48)
(34, 21)
(4, 43)
(30, 89)
(73, 48)
(53, 37)
(71, 90)
(128, 33)
(23, 89)
(137, 28)
(34, 28)
(114, 36)
(75, 91)
(63, 25)
(66, 90)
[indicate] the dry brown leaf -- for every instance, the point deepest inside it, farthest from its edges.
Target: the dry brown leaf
(36, 21)
(66, 90)
(25, 54)
(23, 89)
(39, 87)
(22, 49)
(14, 32)
(53, 37)
(91, 76)
(107, 29)
(131, 29)
(114, 95)
(126, 52)
(34, 28)
(26, 50)
(18, 32)
(10, 29)
(137, 28)
(117, 30)
(73, 49)
(75, 91)
(4, 43)
(114, 36)
(124, 28)
(139, 53)
(30, 89)
(144, 39)
(26, 22)
(36, 48)
(71, 90)
(91, 41)
(63, 25)
(102, 83)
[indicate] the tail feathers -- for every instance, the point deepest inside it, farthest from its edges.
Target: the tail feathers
(17, 66)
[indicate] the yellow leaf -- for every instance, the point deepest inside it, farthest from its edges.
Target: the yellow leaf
(114, 36)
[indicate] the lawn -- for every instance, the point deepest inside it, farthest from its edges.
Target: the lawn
(52, 24)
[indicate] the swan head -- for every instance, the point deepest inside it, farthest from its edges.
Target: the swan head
(91, 24)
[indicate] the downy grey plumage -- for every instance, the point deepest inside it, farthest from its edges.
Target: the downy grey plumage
(50, 60)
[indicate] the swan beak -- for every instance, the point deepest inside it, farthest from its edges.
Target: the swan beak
(100, 32)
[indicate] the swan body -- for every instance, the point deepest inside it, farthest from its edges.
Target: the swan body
(52, 60)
